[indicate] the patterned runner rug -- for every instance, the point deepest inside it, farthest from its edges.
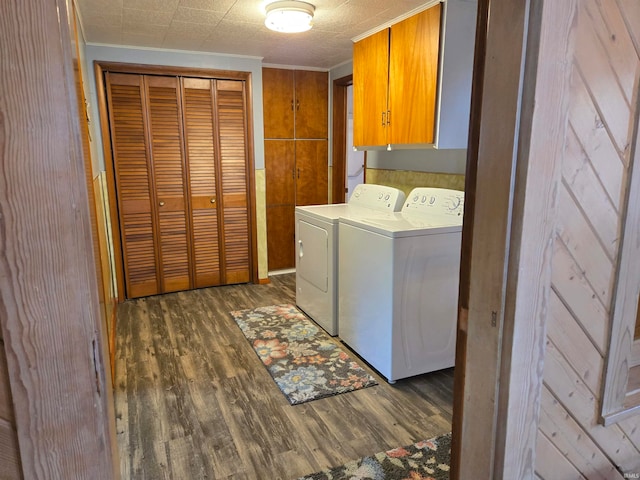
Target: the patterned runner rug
(426, 460)
(304, 361)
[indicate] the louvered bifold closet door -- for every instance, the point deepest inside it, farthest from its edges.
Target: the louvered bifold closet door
(165, 133)
(132, 175)
(202, 164)
(232, 141)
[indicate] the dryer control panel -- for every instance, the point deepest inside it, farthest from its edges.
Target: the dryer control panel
(378, 197)
(435, 201)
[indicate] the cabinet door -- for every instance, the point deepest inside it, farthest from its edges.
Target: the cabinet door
(279, 166)
(311, 104)
(278, 102)
(413, 77)
(370, 86)
(281, 236)
(202, 164)
(132, 166)
(169, 176)
(312, 172)
(234, 176)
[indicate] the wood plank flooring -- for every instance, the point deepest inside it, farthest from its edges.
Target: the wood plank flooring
(193, 401)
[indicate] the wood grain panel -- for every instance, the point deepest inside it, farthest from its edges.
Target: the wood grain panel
(311, 104)
(199, 134)
(281, 236)
(569, 437)
(413, 79)
(582, 404)
(370, 87)
(169, 176)
(132, 172)
(596, 71)
(607, 20)
(312, 172)
(585, 247)
(234, 175)
(278, 103)
(6, 402)
(585, 187)
(10, 468)
(595, 140)
(556, 464)
(578, 350)
(279, 164)
(49, 306)
(570, 284)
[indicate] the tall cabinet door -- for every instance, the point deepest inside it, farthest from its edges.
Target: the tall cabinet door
(311, 172)
(413, 79)
(311, 104)
(202, 165)
(370, 87)
(278, 102)
(125, 94)
(169, 176)
(232, 140)
(279, 164)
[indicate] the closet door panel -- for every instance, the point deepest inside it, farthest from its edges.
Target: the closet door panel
(134, 191)
(165, 132)
(232, 139)
(201, 163)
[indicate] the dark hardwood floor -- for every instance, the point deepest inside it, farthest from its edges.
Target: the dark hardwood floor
(193, 401)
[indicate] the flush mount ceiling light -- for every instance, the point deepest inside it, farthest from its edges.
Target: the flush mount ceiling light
(289, 17)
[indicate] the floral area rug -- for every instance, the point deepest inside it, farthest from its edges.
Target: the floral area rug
(304, 361)
(426, 460)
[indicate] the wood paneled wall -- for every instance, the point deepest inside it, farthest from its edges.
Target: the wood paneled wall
(49, 306)
(9, 452)
(602, 108)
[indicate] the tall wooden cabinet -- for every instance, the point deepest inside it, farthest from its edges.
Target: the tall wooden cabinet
(295, 104)
(395, 80)
(182, 181)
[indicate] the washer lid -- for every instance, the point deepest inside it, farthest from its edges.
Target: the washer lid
(331, 213)
(397, 225)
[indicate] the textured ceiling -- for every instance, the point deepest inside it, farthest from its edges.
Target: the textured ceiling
(237, 27)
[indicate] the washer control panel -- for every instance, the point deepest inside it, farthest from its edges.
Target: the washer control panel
(434, 201)
(379, 197)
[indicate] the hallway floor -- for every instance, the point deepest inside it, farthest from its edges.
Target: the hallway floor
(193, 401)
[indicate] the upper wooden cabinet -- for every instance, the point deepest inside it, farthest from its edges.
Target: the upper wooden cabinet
(295, 103)
(395, 78)
(412, 81)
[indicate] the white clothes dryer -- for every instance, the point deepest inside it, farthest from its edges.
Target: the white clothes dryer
(317, 248)
(398, 284)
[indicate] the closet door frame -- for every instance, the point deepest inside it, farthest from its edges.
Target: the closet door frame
(116, 67)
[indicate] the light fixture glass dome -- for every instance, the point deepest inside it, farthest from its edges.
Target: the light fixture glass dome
(289, 16)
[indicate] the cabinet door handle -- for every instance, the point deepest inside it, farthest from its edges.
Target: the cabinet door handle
(292, 104)
(161, 204)
(297, 104)
(213, 200)
(388, 117)
(383, 122)
(298, 173)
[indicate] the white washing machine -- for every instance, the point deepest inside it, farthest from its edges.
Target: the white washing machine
(398, 284)
(317, 248)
